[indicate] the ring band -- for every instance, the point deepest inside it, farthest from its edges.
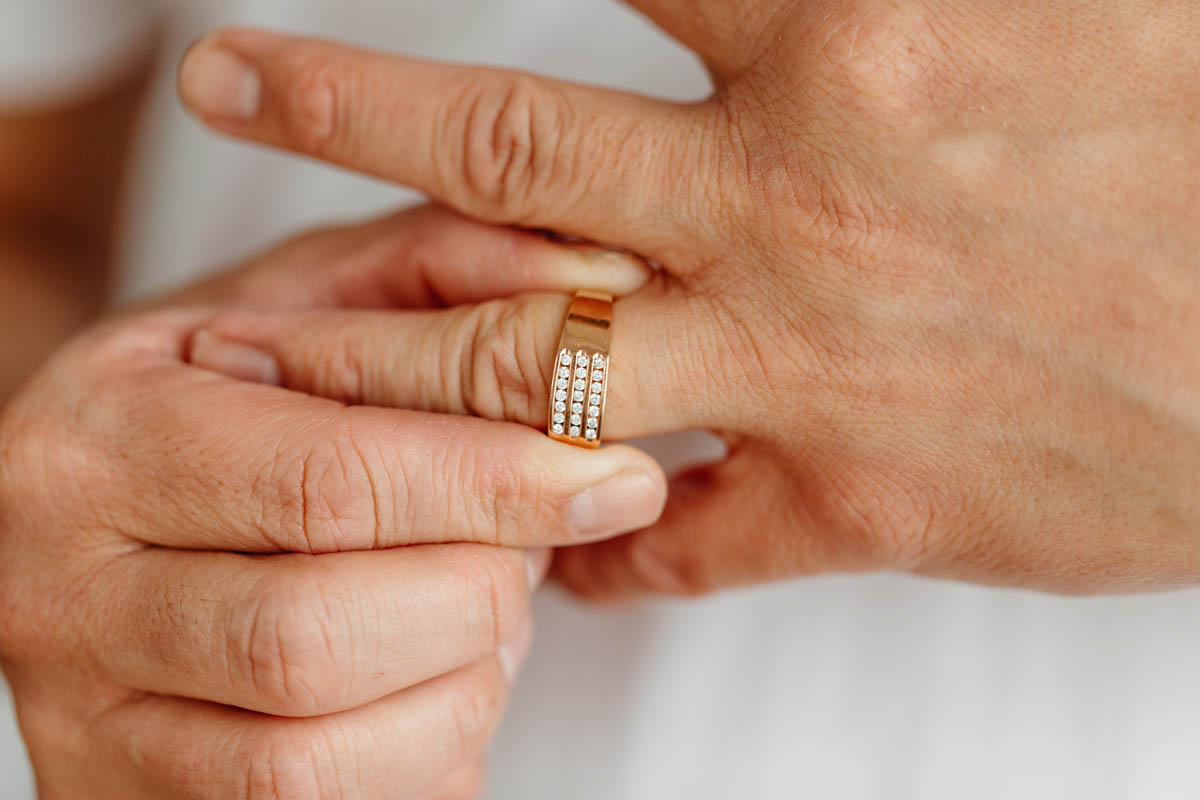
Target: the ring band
(579, 383)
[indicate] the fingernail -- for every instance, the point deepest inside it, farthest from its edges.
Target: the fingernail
(619, 505)
(216, 82)
(512, 654)
(238, 361)
(611, 270)
(537, 564)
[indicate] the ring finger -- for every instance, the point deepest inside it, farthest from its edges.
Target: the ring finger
(495, 360)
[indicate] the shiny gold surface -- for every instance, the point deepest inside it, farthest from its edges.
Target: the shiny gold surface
(587, 331)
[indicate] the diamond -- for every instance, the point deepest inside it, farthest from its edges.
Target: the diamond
(577, 396)
(594, 400)
(562, 383)
(560, 406)
(559, 418)
(594, 411)
(593, 423)
(558, 429)
(577, 408)
(591, 434)
(581, 357)
(564, 372)
(598, 360)
(561, 394)
(576, 419)
(575, 431)
(581, 372)
(579, 383)
(565, 359)
(598, 375)
(597, 388)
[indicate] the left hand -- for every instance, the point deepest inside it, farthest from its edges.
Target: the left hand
(929, 268)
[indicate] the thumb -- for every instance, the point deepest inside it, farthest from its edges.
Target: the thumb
(725, 525)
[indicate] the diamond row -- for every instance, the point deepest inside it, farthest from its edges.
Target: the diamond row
(578, 389)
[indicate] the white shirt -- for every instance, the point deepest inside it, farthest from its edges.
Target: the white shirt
(879, 687)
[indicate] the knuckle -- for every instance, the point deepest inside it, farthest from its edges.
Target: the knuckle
(308, 111)
(884, 62)
(343, 367)
(475, 704)
(509, 506)
(882, 521)
(505, 354)
(493, 598)
(289, 645)
(512, 129)
(318, 495)
(680, 573)
(291, 765)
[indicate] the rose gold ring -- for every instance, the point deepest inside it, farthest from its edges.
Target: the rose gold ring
(579, 386)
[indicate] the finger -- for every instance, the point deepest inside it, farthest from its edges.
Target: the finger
(422, 257)
(493, 144)
(303, 636)
(727, 524)
(398, 746)
(209, 463)
(495, 360)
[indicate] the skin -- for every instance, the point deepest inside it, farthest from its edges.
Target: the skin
(930, 270)
(189, 604)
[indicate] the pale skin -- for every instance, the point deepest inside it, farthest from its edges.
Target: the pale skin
(189, 608)
(930, 270)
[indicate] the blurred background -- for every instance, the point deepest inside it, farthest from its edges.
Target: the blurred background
(867, 687)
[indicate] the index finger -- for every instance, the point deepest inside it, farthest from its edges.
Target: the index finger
(494, 144)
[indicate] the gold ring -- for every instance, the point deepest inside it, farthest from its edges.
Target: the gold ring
(579, 384)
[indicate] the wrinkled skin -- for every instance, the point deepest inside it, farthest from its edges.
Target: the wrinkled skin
(187, 605)
(930, 268)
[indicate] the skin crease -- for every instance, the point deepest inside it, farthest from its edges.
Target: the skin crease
(929, 268)
(151, 657)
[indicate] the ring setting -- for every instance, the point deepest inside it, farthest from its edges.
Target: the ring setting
(579, 387)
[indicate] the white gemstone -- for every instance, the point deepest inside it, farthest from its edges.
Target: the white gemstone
(579, 383)
(581, 372)
(593, 423)
(576, 419)
(565, 358)
(559, 418)
(581, 357)
(594, 411)
(558, 429)
(577, 408)
(598, 360)
(597, 388)
(561, 394)
(594, 400)
(562, 383)
(598, 375)
(564, 372)
(560, 406)
(577, 396)
(575, 431)
(591, 434)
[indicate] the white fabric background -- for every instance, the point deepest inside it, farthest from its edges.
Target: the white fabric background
(880, 688)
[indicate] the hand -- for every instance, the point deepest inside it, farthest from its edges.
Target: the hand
(187, 607)
(930, 269)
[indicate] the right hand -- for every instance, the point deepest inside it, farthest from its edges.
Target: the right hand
(187, 607)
